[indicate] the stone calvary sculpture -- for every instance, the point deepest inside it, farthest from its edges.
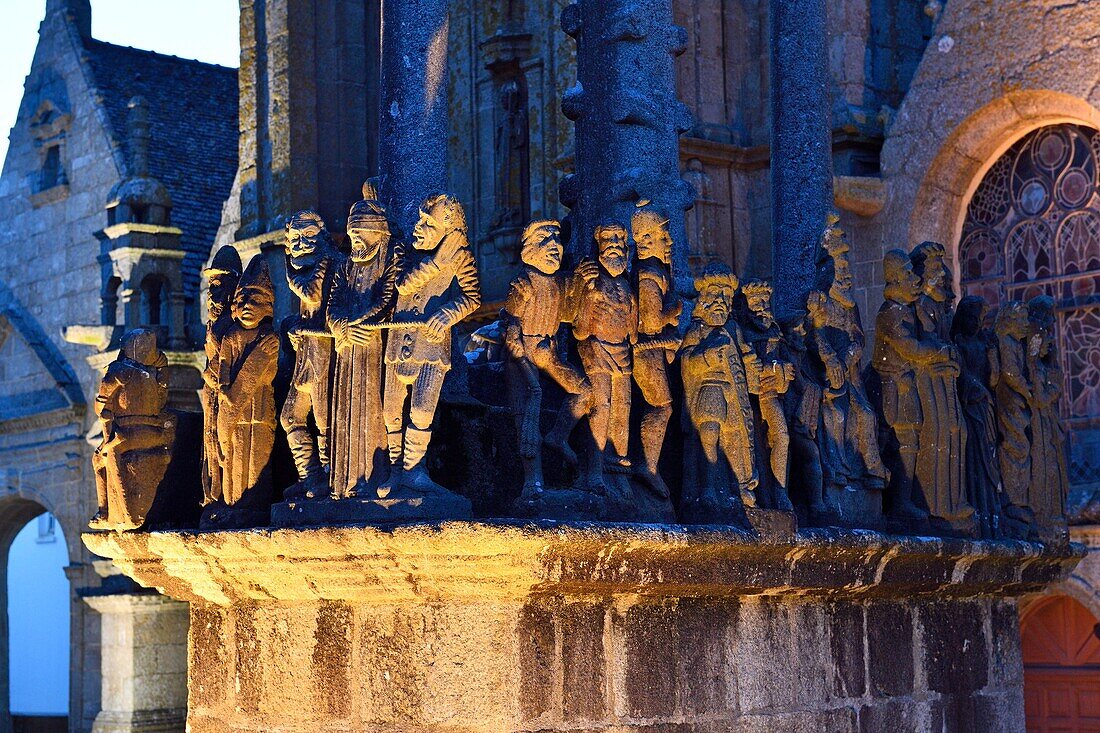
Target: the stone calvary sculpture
(952, 429)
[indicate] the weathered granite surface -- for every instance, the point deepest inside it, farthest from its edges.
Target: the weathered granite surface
(548, 627)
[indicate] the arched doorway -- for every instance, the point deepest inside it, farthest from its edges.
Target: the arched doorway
(1032, 227)
(1061, 652)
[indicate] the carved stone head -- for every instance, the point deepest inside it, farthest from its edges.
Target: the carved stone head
(969, 316)
(222, 276)
(306, 236)
(902, 284)
(1042, 317)
(611, 243)
(1013, 321)
(368, 227)
(140, 345)
(717, 287)
(928, 263)
(255, 297)
(541, 246)
(651, 235)
(439, 216)
(758, 299)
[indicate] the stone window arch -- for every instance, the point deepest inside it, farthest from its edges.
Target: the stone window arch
(49, 127)
(1032, 227)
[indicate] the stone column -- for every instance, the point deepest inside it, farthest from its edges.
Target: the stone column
(801, 156)
(412, 124)
(628, 119)
(144, 663)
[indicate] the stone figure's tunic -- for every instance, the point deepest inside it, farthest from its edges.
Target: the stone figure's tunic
(983, 474)
(361, 292)
(1049, 476)
(534, 305)
(246, 407)
(656, 328)
(1013, 417)
(212, 472)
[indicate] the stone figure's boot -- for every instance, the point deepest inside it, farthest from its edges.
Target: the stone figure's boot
(569, 414)
(654, 425)
(903, 505)
(416, 476)
(394, 445)
(305, 461)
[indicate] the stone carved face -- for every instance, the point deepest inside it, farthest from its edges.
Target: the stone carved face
(222, 287)
(439, 216)
(970, 315)
(140, 345)
(254, 300)
(842, 279)
(902, 283)
(611, 240)
(758, 298)
(1013, 321)
(715, 303)
(367, 243)
(652, 238)
(542, 249)
(303, 241)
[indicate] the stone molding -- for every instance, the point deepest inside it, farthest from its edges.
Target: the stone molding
(476, 562)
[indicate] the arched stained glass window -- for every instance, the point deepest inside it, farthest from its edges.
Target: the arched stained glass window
(1033, 227)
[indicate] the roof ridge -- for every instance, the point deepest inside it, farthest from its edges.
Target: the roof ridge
(166, 56)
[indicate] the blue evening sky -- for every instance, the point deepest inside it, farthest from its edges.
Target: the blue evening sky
(197, 29)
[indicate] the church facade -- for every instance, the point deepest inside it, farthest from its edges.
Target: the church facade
(965, 122)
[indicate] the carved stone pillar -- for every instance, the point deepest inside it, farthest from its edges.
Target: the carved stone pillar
(412, 125)
(144, 663)
(801, 158)
(628, 119)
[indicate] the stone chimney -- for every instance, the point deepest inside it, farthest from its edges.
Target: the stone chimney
(78, 12)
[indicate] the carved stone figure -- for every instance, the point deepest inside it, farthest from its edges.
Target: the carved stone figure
(775, 375)
(978, 361)
(362, 295)
(247, 360)
(658, 338)
(1013, 407)
(311, 259)
(418, 356)
(849, 448)
(1049, 476)
(901, 359)
(138, 433)
(718, 369)
(604, 311)
(532, 316)
(942, 442)
(222, 277)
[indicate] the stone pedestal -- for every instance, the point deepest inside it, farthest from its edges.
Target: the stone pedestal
(496, 627)
(144, 663)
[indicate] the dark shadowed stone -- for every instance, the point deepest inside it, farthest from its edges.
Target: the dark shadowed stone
(890, 647)
(846, 633)
(648, 629)
(583, 661)
(1005, 656)
(350, 512)
(332, 658)
(891, 716)
(535, 641)
(702, 656)
(955, 658)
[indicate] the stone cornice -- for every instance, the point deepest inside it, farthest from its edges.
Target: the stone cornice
(474, 562)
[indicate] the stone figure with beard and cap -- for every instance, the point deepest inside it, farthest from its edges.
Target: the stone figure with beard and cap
(658, 337)
(138, 433)
(604, 314)
(902, 358)
(311, 259)
(531, 317)
(719, 371)
(775, 375)
(247, 361)
(222, 277)
(363, 292)
(418, 356)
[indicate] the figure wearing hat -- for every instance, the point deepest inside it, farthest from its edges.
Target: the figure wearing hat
(311, 258)
(222, 277)
(362, 295)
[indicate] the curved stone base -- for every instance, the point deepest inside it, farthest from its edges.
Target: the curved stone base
(503, 627)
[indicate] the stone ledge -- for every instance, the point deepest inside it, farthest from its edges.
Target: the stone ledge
(481, 561)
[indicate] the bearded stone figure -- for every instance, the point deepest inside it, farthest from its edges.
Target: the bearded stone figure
(418, 355)
(247, 360)
(138, 433)
(848, 439)
(719, 370)
(1049, 476)
(363, 293)
(311, 258)
(903, 360)
(978, 361)
(222, 277)
(604, 314)
(658, 339)
(1014, 410)
(775, 375)
(532, 317)
(941, 450)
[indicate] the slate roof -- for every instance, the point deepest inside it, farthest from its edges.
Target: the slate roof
(193, 133)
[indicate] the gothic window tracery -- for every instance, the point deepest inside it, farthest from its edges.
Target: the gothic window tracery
(1033, 227)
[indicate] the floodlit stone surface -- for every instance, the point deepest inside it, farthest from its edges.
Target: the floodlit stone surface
(501, 627)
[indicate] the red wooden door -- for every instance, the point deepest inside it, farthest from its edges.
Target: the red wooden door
(1061, 668)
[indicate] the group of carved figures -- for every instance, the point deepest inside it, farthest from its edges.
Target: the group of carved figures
(966, 416)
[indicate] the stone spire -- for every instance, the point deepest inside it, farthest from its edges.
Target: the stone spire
(78, 12)
(137, 132)
(139, 198)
